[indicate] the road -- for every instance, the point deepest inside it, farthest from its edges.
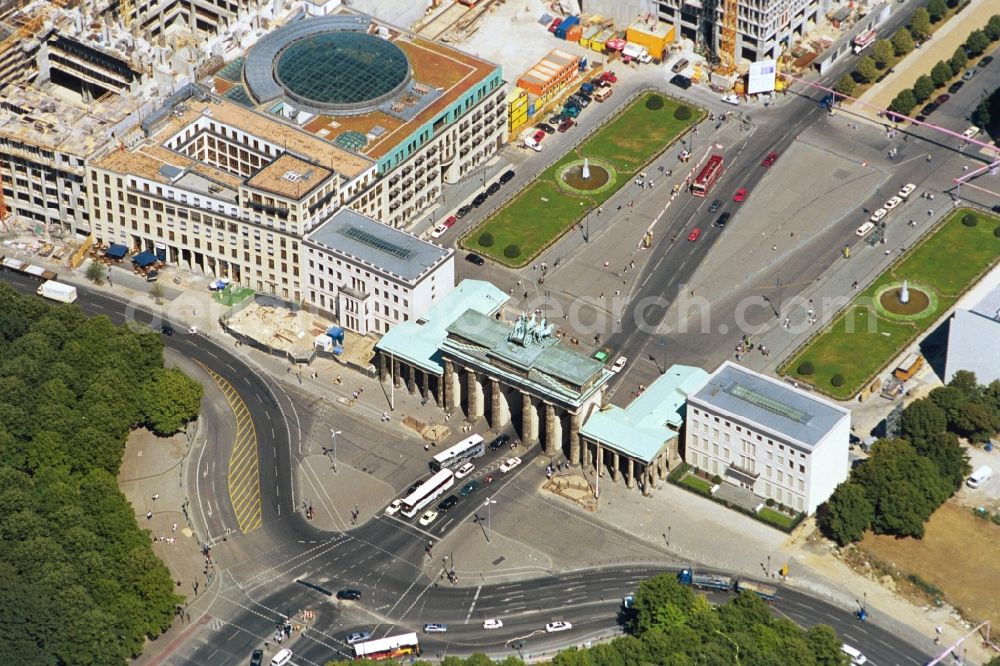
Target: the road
(290, 566)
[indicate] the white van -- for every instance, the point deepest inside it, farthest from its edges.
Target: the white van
(979, 477)
(282, 658)
(971, 132)
(531, 143)
(855, 654)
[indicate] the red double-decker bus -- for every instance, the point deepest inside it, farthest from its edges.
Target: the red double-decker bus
(709, 174)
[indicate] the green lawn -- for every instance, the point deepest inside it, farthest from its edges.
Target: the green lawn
(776, 518)
(860, 341)
(697, 484)
(543, 211)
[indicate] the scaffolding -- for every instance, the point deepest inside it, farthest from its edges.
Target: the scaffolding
(727, 42)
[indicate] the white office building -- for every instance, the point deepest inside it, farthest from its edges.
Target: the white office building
(370, 277)
(778, 441)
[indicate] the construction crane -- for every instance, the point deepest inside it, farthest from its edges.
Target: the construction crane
(727, 42)
(125, 13)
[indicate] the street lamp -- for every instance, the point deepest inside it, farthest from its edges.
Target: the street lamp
(333, 436)
(663, 343)
(488, 504)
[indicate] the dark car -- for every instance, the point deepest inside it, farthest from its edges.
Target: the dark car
(985, 61)
(474, 258)
(469, 488)
(545, 127)
(681, 81)
(556, 119)
(479, 200)
(257, 658)
(167, 329)
(566, 124)
(723, 220)
(955, 87)
(499, 441)
(941, 99)
(493, 189)
(920, 118)
(349, 595)
(715, 206)
(929, 109)
(463, 211)
(448, 502)
(507, 176)
(416, 484)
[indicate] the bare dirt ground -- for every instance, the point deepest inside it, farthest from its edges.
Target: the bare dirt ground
(957, 555)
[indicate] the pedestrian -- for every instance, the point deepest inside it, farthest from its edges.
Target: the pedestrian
(774, 248)
(174, 529)
(149, 515)
(605, 265)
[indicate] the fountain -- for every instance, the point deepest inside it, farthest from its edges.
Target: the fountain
(904, 300)
(586, 168)
(584, 176)
(904, 294)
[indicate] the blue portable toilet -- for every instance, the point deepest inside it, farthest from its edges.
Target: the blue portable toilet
(336, 333)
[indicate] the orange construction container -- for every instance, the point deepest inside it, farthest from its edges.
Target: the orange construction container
(575, 33)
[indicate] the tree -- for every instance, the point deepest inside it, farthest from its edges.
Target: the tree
(936, 9)
(950, 399)
(959, 59)
(966, 382)
(156, 292)
(866, 69)
(847, 514)
(940, 73)
(992, 29)
(904, 102)
(975, 422)
(660, 602)
(825, 645)
(883, 52)
(948, 456)
(981, 116)
(171, 399)
(923, 88)
(977, 42)
(920, 24)
(922, 420)
(846, 85)
(902, 41)
(95, 272)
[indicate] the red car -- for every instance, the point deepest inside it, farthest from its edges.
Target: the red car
(941, 99)
(740, 195)
(609, 77)
(695, 233)
(539, 135)
(769, 160)
(555, 24)
(450, 222)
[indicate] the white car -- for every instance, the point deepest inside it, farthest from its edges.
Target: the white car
(892, 203)
(428, 518)
(731, 99)
(619, 364)
(906, 190)
(509, 464)
(857, 659)
(464, 471)
(492, 624)
(878, 215)
(553, 627)
(865, 229)
(438, 231)
(394, 507)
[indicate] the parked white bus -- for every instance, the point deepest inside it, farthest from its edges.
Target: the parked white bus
(456, 456)
(427, 492)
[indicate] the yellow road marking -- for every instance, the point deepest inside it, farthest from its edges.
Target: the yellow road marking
(243, 479)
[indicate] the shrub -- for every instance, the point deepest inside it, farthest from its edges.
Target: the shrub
(837, 380)
(996, 232)
(806, 368)
(716, 480)
(682, 113)
(486, 239)
(512, 251)
(655, 103)
(769, 502)
(970, 220)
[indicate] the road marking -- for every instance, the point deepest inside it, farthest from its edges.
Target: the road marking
(473, 604)
(243, 478)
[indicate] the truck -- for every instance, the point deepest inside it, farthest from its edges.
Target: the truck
(24, 268)
(636, 52)
(720, 583)
(57, 291)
